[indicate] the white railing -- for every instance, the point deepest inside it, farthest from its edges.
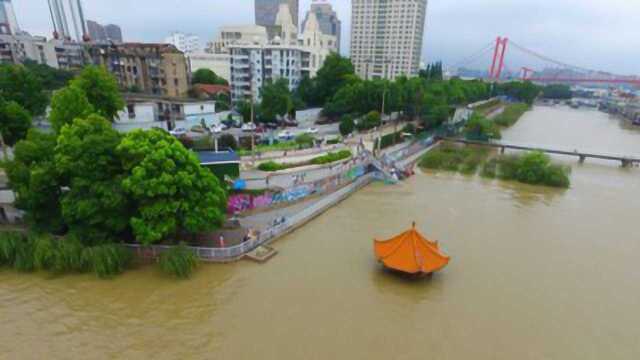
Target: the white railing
(291, 223)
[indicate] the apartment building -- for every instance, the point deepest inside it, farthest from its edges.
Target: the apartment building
(158, 69)
(253, 66)
(386, 37)
(187, 43)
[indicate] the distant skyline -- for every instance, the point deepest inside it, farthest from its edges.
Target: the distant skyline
(594, 34)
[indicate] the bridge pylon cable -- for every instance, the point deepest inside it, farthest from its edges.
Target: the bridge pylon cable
(475, 56)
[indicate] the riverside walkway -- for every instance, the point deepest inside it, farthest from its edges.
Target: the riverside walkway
(581, 155)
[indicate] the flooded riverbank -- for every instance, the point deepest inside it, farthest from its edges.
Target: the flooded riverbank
(536, 273)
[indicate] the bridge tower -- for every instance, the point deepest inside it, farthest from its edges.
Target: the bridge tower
(498, 58)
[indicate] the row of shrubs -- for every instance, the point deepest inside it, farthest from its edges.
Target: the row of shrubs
(533, 168)
(31, 252)
(331, 157)
(511, 114)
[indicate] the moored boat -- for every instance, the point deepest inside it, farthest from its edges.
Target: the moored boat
(411, 253)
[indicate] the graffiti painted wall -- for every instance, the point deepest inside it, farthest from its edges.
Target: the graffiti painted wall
(240, 203)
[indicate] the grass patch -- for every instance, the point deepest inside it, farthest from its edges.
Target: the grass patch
(454, 158)
(107, 261)
(511, 114)
(320, 160)
(179, 261)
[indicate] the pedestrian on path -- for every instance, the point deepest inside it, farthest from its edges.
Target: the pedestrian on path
(222, 245)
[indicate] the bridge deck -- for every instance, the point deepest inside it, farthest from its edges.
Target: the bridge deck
(580, 154)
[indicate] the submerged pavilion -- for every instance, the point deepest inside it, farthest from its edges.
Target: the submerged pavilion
(411, 253)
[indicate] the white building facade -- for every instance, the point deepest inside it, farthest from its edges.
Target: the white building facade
(386, 37)
(187, 43)
(317, 43)
(253, 66)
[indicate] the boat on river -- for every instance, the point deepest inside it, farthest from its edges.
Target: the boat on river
(411, 253)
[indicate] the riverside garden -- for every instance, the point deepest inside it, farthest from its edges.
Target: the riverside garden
(86, 190)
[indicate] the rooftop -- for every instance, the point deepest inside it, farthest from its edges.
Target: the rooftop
(220, 157)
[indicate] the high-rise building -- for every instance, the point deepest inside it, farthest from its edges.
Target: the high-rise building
(113, 32)
(106, 33)
(60, 16)
(386, 37)
(267, 10)
(8, 21)
(187, 43)
(327, 19)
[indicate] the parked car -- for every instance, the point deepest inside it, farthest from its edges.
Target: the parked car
(249, 127)
(178, 132)
(311, 131)
(286, 135)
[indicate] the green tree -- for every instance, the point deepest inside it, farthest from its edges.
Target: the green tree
(22, 86)
(95, 206)
(206, 76)
(557, 91)
(15, 121)
(336, 72)
(347, 125)
(276, 100)
(227, 141)
(480, 128)
(369, 121)
(172, 192)
(101, 89)
(305, 94)
(51, 78)
(33, 177)
(244, 108)
(67, 105)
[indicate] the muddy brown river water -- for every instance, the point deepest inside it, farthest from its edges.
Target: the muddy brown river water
(536, 273)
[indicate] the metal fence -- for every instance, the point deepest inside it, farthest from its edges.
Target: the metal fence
(266, 236)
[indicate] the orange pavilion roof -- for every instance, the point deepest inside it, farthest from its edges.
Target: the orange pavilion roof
(412, 253)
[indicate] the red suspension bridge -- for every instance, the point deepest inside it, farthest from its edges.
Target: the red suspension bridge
(549, 70)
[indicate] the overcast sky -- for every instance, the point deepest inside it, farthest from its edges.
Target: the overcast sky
(597, 34)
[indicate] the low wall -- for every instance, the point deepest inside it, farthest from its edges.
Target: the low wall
(241, 203)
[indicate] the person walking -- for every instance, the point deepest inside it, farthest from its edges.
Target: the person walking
(221, 241)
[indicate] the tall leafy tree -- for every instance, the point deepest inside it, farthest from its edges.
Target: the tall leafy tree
(22, 86)
(67, 105)
(336, 72)
(172, 192)
(95, 206)
(15, 121)
(276, 100)
(33, 177)
(206, 76)
(51, 78)
(101, 90)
